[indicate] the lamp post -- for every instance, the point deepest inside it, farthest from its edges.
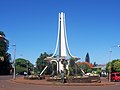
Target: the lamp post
(34, 69)
(110, 66)
(27, 67)
(14, 76)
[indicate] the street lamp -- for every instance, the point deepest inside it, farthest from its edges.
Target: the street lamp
(110, 66)
(27, 67)
(14, 76)
(34, 66)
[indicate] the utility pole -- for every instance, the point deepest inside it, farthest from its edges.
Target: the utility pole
(110, 66)
(14, 76)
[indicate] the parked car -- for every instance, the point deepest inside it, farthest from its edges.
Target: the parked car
(115, 76)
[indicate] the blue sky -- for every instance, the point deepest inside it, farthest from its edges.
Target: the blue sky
(92, 26)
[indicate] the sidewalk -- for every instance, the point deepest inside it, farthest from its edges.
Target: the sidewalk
(44, 82)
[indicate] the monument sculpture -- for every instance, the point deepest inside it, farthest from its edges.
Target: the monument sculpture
(61, 45)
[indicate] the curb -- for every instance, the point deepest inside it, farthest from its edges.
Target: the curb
(62, 84)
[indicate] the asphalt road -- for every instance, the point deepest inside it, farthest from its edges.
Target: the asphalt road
(5, 84)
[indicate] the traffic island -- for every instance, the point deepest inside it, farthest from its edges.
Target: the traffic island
(54, 83)
(76, 79)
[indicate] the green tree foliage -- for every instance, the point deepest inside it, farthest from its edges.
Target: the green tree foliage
(85, 67)
(23, 65)
(72, 66)
(41, 63)
(98, 71)
(52, 68)
(114, 66)
(108, 66)
(95, 64)
(5, 57)
(65, 62)
(87, 58)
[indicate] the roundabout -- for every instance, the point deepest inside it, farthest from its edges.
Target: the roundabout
(53, 83)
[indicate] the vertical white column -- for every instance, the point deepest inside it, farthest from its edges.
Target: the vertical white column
(62, 52)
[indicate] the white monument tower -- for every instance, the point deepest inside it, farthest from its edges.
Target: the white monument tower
(61, 45)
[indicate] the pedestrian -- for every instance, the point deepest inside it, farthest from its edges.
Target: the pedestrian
(62, 77)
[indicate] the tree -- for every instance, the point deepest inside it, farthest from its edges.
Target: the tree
(65, 62)
(52, 68)
(108, 66)
(72, 66)
(85, 66)
(95, 64)
(23, 65)
(114, 66)
(41, 62)
(5, 57)
(87, 58)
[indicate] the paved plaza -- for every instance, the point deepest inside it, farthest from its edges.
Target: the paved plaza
(7, 83)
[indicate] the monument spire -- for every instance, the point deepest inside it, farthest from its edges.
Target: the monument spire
(61, 45)
(62, 38)
(62, 42)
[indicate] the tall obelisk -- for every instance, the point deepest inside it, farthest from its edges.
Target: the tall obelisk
(61, 45)
(62, 42)
(62, 36)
